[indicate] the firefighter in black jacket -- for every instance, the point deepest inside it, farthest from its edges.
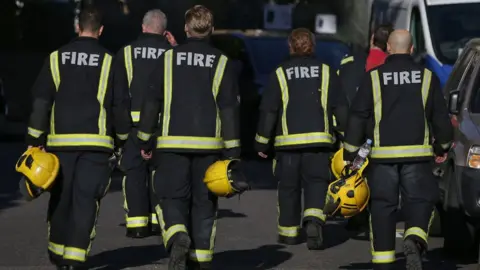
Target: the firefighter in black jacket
(393, 97)
(74, 112)
(351, 73)
(195, 90)
(139, 58)
(300, 100)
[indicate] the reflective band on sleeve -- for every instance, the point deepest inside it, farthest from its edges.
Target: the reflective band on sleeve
(289, 231)
(350, 148)
(427, 78)
(346, 60)
(303, 138)
(417, 231)
(172, 230)
(284, 88)
(377, 101)
(122, 137)
(56, 249)
(446, 146)
(383, 256)
(127, 53)
(231, 143)
(402, 151)
(154, 219)
(334, 119)
(324, 96)
(338, 72)
(217, 80)
(201, 255)
(55, 70)
(75, 254)
(34, 132)
(135, 116)
(102, 89)
(143, 136)
(80, 140)
(261, 139)
(167, 91)
(136, 222)
(314, 212)
(183, 142)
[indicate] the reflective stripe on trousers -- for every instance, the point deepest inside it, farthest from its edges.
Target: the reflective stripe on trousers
(64, 140)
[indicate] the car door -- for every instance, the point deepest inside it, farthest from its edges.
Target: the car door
(461, 70)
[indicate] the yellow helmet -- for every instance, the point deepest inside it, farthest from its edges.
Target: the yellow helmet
(348, 195)
(39, 170)
(338, 164)
(224, 178)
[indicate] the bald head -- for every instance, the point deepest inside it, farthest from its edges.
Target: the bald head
(154, 22)
(400, 42)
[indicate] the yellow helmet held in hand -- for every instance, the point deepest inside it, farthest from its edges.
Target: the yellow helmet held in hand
(39, 170)
(338, 165)
(348, 195)
(225, 179)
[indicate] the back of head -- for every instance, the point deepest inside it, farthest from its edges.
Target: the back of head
(400, 42)
(301, 42)
(90, 20)
(198, 21)
(380, 36)
(154, 21)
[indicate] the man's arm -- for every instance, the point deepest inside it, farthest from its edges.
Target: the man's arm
(358, 118)
(43, 94)
(151, 106)
(118, 85)
(269, 107)
(228, 102)
(338, 102)
(439, 119)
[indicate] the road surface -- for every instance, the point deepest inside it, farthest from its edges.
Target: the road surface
(246, 236)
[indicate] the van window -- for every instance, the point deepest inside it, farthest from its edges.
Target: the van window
(416, 29)
(460, 70)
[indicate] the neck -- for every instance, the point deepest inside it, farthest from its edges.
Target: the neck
(88, 34)
(376, 48)
(399, 53)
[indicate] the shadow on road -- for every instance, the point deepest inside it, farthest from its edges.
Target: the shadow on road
(227, 213)
(334, 235)
(264, 257)
(127, 257)
(9, 154)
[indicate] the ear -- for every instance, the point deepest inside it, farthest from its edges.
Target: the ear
(77, 28)
(412, 49)
(185, 28)
(213, 29)
(389, 48)
(100, 31)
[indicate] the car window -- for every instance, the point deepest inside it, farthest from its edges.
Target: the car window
(459, 71)
(475, 98)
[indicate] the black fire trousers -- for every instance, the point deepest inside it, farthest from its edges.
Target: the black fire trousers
(419, 192)
(294, 170)
(74, 205)
(138, 203)
(185, 203)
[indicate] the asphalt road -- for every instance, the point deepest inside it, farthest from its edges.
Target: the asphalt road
(246, 236)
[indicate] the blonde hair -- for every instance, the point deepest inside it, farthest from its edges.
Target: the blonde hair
(199, 21)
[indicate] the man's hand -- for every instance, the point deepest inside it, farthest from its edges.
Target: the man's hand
(146, 156)
(441, 159)
(170, 38)
(41, 147)
(262, 155)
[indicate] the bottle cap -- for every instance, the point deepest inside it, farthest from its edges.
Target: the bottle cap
(369, 141)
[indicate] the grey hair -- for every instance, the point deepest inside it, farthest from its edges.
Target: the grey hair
(155, 20)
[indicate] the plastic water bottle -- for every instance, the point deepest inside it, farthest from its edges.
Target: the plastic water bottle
(362, 155)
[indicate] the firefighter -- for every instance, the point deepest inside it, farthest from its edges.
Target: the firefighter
(74, 112)
(378, 46)
(392, 97)
(351, 72)
(194, 88)
(140, 58)
(299, 89)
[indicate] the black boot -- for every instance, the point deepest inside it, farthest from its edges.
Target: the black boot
(413, 254)
(314, 233)
(140, 232)
(70, 267)
(179, 252)
(291, 241)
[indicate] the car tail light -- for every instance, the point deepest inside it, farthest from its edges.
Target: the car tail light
(473, 159)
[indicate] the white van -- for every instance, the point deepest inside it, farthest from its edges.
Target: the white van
(440, 28)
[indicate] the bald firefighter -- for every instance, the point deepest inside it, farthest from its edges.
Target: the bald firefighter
(195, 90)
(404, 102)
(75, 110)
(300, 100)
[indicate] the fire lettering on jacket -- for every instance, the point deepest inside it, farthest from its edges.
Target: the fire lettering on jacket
(80, 59)
(402, 77)
(195, 59)
(303, 72)
(147, 52)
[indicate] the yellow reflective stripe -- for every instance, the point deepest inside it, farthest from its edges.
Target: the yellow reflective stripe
(172, 230)
(122, 136)
(350, 148)
(430, 221)
(334, 120)
(102, 90)
(143, 136)
(402, 151)
(289, 231)
(56, 248)
(284, 88)
(231, 143)
(34, 132)
(314, 212)
(153, 219)
(159, 211)
(80, 140)
(185, 142)
(261, 139)
(427, 78)
(217, 80)
(417, 231)
(383, 256)
(55, 70)
(324, 97)
(127, 53)
(75, 254)
(201, 255)
(377, 101)
(136, 222)
(167, 91)
(338, 72)
(135, 116)
(303, 138)
(446, 146)
(346, 60)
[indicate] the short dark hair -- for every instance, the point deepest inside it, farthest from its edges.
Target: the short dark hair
(381, 34)
(89, 19)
